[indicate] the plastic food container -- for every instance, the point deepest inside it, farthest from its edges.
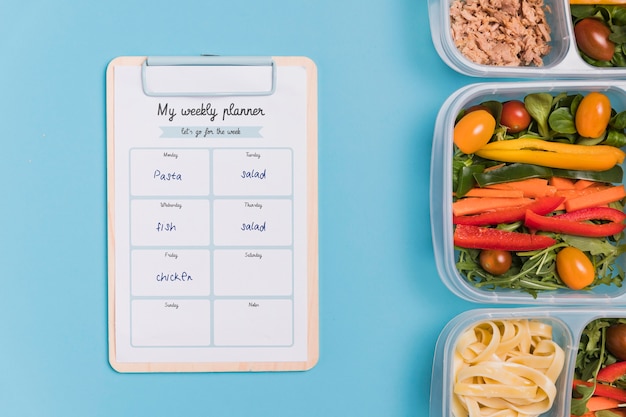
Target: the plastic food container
(567, 326)
(563, 60)
(441, 191)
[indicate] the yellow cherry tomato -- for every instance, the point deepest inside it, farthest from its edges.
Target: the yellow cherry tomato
(593, 115)
(474, 130)
(574, 268)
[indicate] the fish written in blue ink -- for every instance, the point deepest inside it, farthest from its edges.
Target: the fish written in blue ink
(254, 174)
(165, 227)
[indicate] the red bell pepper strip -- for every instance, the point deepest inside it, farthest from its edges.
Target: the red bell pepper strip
(563, 224)
(476, 237)
(541, 206)
(612, 372)
(594, 213)
(604, 390)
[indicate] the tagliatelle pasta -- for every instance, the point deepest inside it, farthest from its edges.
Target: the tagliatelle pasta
(505, 368)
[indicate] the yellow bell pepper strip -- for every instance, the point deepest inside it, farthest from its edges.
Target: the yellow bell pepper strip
(575, 223)
(553, 154)
(477, 237)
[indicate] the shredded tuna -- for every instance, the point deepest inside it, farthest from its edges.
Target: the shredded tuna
(501, 32)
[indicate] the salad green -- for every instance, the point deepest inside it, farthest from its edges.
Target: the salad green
(535, 271)
(592, 355)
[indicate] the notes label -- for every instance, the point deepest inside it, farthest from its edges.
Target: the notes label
(251, 322)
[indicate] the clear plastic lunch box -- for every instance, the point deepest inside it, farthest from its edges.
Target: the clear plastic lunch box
(441, 191)
(567, 326)
(567, 311)
(563, 60)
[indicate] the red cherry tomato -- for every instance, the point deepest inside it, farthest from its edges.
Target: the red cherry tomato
(496, 262)
(592, 37)
(514, 116)
(616, 340)
(593, 115)
(574, 268)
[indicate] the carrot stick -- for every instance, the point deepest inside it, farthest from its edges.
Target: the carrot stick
(605, 196)
(582, 191)
(602, 403)
(561, 183)
(580, 184)
(488, 192)
(532, 187)
(574, 193)
(475, 205)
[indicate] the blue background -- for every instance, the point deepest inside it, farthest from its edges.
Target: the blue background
(382, 304)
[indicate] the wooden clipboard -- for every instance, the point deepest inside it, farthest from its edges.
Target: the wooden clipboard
(212, 214)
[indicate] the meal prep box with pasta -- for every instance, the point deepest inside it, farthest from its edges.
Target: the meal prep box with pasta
(541, 345)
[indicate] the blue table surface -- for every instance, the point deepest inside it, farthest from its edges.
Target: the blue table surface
(382, 303)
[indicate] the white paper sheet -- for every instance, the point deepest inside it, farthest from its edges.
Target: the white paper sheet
(210, 222)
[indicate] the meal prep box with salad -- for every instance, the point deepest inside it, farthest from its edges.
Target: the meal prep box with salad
(534, 194)
(527, 208)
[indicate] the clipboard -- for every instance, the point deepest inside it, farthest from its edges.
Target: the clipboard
(212, 214)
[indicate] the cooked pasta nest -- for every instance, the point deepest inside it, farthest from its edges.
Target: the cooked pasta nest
(506, 368)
